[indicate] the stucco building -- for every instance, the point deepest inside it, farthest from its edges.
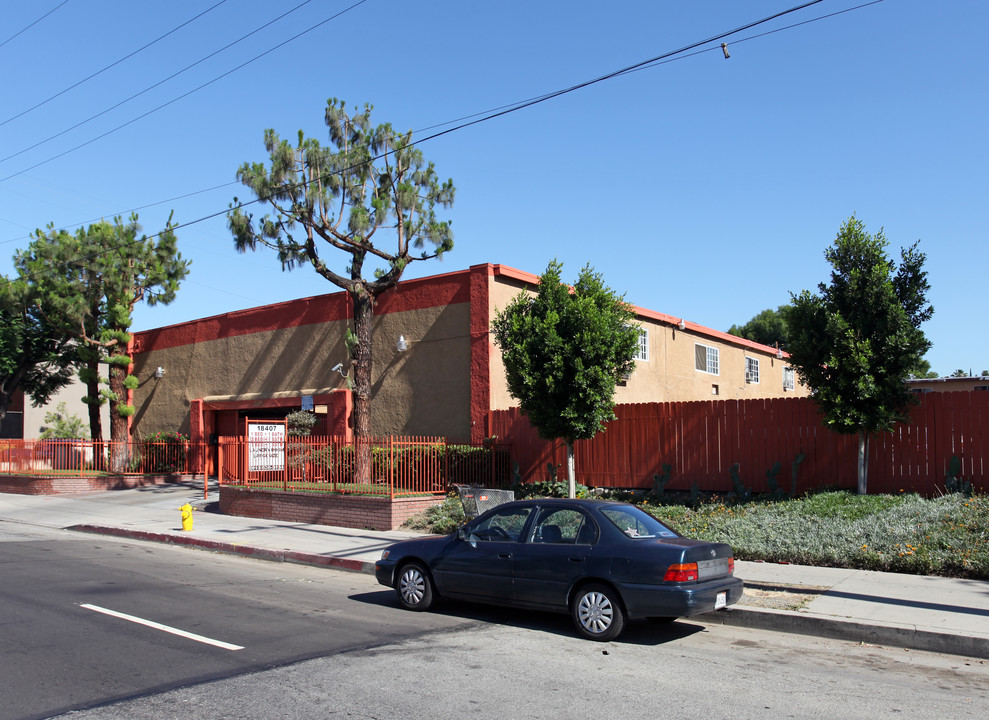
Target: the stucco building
(206, 376)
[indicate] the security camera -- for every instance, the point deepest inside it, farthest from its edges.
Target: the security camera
(336, 368)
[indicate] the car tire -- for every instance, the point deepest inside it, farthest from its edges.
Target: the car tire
(598, 613)
(415, 587)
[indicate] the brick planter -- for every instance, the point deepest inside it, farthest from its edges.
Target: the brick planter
(57, 485)
(363, 512)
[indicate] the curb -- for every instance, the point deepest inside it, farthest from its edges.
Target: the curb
(249, 551)
(837, 628)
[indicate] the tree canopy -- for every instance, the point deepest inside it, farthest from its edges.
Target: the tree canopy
(34, 357)
(368, 187)
(768, 328)
(855, 342)
(565, 350)
(87, 284)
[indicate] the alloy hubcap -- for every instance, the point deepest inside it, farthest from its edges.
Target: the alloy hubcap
(412, 587)
(595, 612)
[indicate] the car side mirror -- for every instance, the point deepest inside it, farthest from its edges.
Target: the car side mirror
(466, 536)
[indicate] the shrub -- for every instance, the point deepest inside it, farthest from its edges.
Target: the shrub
(60, 424)
(440, 519)
(165, 452)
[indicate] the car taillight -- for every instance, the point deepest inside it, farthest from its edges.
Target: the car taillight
(681, 572)
(731, 566)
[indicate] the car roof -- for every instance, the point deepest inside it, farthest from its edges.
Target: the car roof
(581, 502)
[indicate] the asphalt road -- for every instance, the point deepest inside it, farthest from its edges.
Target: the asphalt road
(61, 650)
(321, 643)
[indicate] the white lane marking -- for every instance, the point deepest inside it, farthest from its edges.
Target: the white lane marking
(165, 628)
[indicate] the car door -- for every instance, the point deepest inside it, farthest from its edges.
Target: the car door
(557, 552)
(480, 565)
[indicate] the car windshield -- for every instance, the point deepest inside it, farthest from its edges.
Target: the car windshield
(636, 523)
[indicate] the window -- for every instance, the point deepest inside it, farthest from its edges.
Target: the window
(564, 526)
(751, 370)
(643, 353)
(502, 526)
(706, 359)
(788, 383)
(637, 523)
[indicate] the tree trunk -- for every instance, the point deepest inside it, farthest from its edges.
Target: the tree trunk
(571, 472)
(863, 462)
(94, 405)
(363, 363)
(119, 431)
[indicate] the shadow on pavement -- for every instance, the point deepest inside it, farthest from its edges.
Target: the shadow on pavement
(636, 633)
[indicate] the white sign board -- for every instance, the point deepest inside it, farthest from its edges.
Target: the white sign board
(265, 446)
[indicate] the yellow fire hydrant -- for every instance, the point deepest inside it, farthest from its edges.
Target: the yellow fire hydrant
(186, 517)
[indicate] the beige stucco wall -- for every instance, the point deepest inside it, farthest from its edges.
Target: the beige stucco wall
(71, 395)
(425, 390)
(669, 374)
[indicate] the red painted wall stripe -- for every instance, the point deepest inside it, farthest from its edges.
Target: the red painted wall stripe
(409, 295)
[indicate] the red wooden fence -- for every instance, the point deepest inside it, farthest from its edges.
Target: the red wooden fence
(702, 441)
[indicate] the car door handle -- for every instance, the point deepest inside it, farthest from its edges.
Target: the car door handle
(505, 556)
(576, 559)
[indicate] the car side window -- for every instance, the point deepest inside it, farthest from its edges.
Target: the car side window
(501, 526)
(564, 526)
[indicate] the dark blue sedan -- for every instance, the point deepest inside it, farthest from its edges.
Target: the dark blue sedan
(603, 562)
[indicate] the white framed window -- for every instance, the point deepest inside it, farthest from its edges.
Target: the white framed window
(643, 351)
(788, 381)
(706, 359)
(752, 370)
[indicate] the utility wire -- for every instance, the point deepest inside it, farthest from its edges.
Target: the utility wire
(160, 82)
(100, 72)
(507, 109)
(187, 94)
(648, 64)
(24, 29)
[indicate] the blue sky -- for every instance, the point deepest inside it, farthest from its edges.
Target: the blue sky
(702, 187)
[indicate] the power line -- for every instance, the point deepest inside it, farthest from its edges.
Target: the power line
(152, 87)
(471, 120)
(99, 72)
(24, 29)
(186, 94)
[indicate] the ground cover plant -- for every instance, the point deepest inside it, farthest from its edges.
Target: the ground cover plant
(946, 535)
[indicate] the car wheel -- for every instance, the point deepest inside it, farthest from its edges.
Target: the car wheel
(415, 587)
(597, 612)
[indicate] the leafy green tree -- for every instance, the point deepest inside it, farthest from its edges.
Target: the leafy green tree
(856, 341)
(923, 370)
(60, 424)
(768, 328)
(368, 187)
(87, 285)
(959, 373)
(34, 357)
(564, 352)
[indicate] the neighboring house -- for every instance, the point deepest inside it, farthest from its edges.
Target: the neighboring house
(24, 421)
(205, 377)
(948, 384)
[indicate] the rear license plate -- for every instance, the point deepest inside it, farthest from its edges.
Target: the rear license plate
(721, 600)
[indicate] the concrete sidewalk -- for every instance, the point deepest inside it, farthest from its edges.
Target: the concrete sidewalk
(918, 612)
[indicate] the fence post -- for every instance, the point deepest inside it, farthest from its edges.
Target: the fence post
(391, 466)
(285, 464)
